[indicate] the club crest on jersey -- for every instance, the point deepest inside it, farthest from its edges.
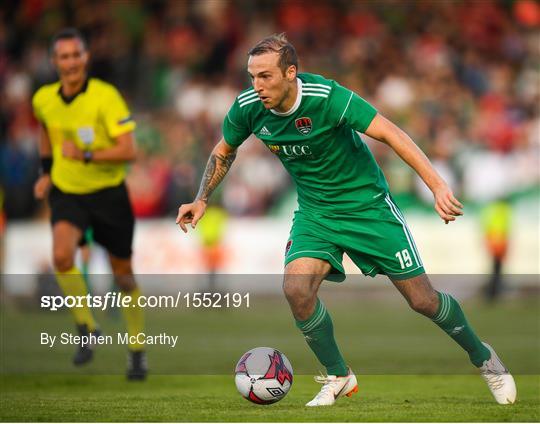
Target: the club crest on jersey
(304, 125)
(288, 247)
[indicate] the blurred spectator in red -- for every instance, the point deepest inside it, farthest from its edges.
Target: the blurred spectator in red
(461, 77)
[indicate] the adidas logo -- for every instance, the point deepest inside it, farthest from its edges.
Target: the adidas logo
(264, 131)
(456, 330)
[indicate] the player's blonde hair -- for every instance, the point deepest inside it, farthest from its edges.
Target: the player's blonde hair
(277, 43)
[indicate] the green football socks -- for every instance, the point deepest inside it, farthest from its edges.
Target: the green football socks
(318, 331)
(452, 321)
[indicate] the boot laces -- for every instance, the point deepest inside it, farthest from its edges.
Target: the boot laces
(328, 383)
(493, 372)
(494, 381)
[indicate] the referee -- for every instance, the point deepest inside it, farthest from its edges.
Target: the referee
(86, 140)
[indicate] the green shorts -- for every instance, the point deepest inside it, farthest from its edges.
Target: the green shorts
(377, 240)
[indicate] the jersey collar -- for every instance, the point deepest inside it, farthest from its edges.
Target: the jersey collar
(68, 99)
(296, 103)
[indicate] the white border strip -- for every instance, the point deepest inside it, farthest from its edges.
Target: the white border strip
(251, 91)
(407, 228)
(388, 202)
(320, 90)
(315, 94)
(313, 251)
(312, 84)
(247, 98)
(256, 99)
(346, 107)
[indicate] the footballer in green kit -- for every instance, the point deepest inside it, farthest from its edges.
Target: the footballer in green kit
(312, 125)
(344, 204)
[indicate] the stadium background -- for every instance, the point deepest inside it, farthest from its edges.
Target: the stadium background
(462, 78)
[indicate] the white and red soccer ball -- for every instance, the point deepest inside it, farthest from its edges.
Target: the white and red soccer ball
(263, 375)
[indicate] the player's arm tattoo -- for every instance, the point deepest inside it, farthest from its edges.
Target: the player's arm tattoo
(217, 167)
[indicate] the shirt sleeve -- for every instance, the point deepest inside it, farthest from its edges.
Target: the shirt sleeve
(235, 128)
(116, 115)
(36, 106)
(348, 108)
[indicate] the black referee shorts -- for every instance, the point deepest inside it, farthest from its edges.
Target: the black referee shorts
(107, 211)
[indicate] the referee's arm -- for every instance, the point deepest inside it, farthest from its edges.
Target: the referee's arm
(123, 151)
(43, 184)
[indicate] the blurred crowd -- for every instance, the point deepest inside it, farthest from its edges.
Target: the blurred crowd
(461, 77)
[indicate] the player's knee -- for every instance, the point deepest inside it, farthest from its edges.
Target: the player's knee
(296, 290)
(425, 305)
(301, 307)
(299, 296)
(291, 292)
(63, 259)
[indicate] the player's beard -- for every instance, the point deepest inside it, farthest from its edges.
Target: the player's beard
(279, 105)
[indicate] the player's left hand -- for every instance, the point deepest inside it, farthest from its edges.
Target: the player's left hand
(446, 205)
(71, 151)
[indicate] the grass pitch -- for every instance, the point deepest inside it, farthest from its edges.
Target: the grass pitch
(408, 370)
(214, 398)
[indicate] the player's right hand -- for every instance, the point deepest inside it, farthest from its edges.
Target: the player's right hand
(42, 186)
(190, 213)
(446, 205)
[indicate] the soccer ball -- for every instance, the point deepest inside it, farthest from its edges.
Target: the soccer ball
(263, 375)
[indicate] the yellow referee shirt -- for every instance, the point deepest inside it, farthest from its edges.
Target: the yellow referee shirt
(91, 120)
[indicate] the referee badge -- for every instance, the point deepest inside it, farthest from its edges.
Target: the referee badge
(86, 134)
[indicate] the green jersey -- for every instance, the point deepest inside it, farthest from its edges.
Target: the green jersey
(317, 142)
